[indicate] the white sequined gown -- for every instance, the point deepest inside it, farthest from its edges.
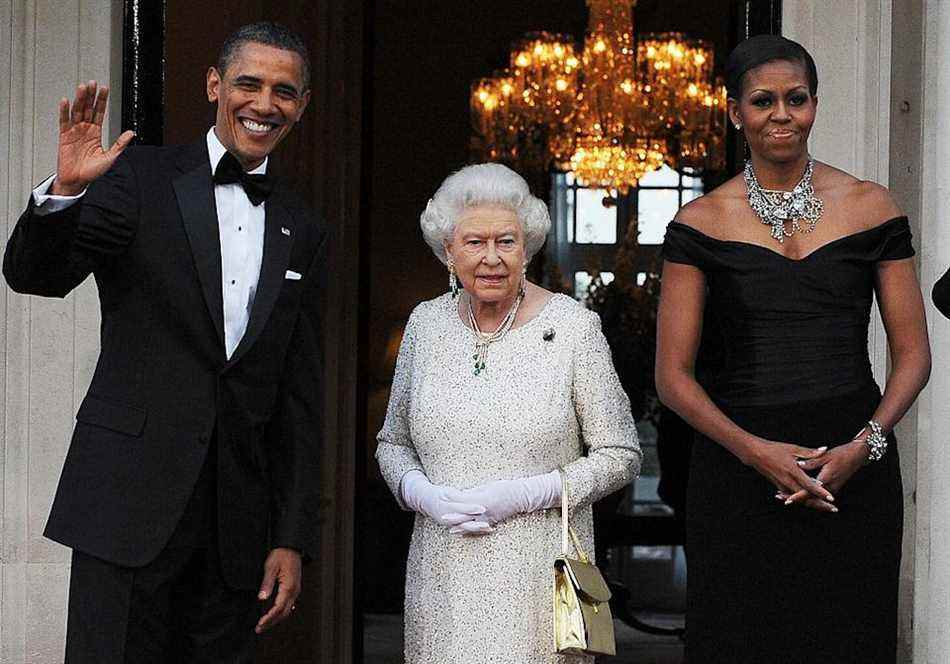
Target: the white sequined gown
(539, 404)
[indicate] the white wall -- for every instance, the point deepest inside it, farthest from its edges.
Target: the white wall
(932, 605)
(48, 347)
(851, 41)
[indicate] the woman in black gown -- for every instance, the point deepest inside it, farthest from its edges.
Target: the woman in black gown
(793, 532)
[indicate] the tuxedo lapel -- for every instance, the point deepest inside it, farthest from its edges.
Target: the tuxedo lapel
(278, 239)
(194, 191)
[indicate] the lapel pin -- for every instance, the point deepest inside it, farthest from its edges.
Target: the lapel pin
(285, 230)
(548, 334)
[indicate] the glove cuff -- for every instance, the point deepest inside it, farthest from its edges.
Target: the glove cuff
(542, 491)
(412, 488)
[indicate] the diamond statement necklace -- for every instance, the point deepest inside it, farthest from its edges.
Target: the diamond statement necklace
(801, 208)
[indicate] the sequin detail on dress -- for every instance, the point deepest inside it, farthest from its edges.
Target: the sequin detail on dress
(478, 600)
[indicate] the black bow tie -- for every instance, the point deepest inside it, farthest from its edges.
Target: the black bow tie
(257, 186)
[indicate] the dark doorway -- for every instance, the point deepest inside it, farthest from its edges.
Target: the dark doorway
(424, 56)
(322, 159)
(388, 122)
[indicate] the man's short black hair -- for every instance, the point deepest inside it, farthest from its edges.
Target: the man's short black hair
(269, 34)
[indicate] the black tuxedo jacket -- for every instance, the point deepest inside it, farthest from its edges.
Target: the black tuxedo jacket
(148, 232)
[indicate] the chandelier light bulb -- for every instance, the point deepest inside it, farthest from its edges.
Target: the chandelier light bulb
(610, 112)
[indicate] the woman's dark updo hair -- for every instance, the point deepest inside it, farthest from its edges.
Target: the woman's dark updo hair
(760, 49)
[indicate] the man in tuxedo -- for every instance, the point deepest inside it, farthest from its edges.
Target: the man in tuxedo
(189, 492)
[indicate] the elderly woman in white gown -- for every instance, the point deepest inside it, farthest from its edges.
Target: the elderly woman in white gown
(500, 386)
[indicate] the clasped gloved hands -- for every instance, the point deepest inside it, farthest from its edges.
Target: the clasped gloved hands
(475, 511)
(443, 504)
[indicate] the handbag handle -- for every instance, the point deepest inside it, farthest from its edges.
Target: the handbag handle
(567, 532)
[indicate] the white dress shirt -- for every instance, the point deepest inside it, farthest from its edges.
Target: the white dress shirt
(241, 234)
(241, 230)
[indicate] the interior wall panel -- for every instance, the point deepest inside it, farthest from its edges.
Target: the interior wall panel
(851, 42)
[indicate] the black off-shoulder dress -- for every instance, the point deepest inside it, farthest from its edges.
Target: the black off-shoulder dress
(769, 583)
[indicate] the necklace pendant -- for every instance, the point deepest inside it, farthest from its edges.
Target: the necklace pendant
(778, 208)
(778, 232)
(484, 339)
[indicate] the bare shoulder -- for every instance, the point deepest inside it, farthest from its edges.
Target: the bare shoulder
(706, 213)
(698, 212)
(876, 202)
(868, 203)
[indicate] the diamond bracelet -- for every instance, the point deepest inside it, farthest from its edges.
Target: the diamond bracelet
(876, 441)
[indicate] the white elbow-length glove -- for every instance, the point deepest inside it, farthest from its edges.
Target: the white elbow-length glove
(505, 498)
(443, 504)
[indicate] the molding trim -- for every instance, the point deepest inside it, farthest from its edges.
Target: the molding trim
(48, 346)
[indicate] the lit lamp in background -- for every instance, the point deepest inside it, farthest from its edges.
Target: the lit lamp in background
(610, 115)
(611, 142)
(544, 71)
(493, 118)
(517, 111)
(687, 101)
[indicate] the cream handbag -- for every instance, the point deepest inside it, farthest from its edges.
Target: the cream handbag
(583, 624)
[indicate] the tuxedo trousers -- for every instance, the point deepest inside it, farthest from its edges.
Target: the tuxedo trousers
(177, 608)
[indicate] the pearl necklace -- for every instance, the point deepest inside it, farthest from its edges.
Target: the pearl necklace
(776, 207)
(484, 339)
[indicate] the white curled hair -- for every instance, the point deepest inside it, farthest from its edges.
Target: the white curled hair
(483, 184)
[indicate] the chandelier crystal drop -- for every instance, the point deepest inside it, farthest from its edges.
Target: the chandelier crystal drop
(614, 111)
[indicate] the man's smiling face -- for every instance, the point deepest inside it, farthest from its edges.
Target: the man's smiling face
(260, 97)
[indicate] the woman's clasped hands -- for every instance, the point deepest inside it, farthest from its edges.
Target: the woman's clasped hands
(443, 504)
(806, 476)
(477, 510)
(780, 464)
(834, 468)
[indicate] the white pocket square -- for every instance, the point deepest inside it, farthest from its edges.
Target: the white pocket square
(292, 275)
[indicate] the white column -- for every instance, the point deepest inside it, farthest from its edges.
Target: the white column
(932, 602)
(851, 43)
(48, 346)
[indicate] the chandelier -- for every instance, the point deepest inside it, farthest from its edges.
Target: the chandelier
(610, 114)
